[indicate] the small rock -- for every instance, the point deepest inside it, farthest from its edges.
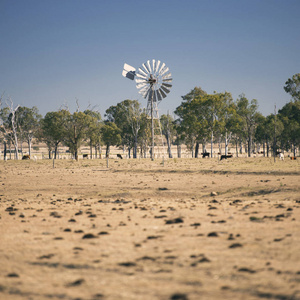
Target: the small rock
(89, 236)
(174, 221)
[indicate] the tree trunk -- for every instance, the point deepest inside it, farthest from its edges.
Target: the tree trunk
(249, 146)
(178, 150)
(4, 150)
(91, 150)
(29, 146)
(169, 146)
(226, 144)
(107, 150)
(236, 148)
(211, 144)
(197, 150)
(55, 150)
(76, 154)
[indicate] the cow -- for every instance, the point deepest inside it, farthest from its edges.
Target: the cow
(25, 156)
(281, 156)
(120, 156)
(225, 156)
(205, 154)
(293, 157)
(85, 156)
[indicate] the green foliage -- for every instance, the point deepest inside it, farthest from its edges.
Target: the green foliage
(292, 86)
(290, 118)
(127, 115)
(111, 135)
(76, 129)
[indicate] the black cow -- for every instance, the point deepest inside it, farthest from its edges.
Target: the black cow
(205, 154)
(225, 156)
(120, 156)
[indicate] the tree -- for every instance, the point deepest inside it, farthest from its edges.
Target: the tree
(292, 86)
(111, 135)
(94, 131)
(290, 117)
(127, 116)
(190, 126)
(76, 129)
(249, 115)
(27, 120)
(168, 130)
(53, 129)
(269, 131)
(9, 125)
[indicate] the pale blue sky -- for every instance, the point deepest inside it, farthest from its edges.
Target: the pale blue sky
(56, 51)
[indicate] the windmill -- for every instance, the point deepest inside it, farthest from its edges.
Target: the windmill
(153, 81)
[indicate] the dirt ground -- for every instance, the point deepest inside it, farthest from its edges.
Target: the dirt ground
(141, 229)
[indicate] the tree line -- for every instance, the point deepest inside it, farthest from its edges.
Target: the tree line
(199, 122)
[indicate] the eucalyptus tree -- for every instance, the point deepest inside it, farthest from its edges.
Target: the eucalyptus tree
(94, 131)
(292, 86)
(8, 124)
(216, 111)
(111, 135)
(53, 129)
(145, 136)
(127, 116)
(76, 129)
(268, 132)
(188, 125)
(168, 130)
(290, 117)
(228, 121)
(250, 116)
(28, 121)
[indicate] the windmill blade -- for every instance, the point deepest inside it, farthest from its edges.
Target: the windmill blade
(167, 85)
(157, 66)
(153, 65)
(162, 93)
(144, 91)
(142, 72)
(146, 68)
(168, 80)
(128, 71)
(159, 97)
(139, 80)
(168, 75)
(141, 85)
(149, 66)
(162, 66)
(165, 89)
(165, 70)
(152, 94)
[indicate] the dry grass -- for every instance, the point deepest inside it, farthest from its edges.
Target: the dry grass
(141, 229)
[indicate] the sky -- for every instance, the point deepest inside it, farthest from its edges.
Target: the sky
(56, 53)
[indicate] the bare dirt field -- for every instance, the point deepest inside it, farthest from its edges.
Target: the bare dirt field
(141, 229)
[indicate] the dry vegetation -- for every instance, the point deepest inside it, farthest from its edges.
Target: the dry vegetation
(141, 229)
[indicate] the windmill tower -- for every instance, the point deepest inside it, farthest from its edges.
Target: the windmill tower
(153, 81)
